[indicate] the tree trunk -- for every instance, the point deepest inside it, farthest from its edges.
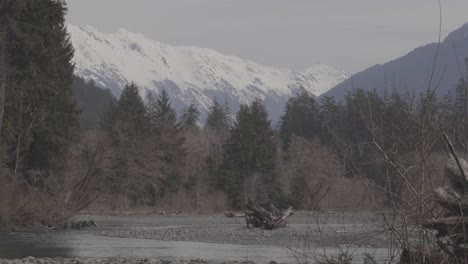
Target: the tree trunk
(3, 68)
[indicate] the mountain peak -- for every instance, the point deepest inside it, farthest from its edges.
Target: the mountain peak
(190, 74)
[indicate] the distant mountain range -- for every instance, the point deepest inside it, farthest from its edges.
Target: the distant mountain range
(411, 73)
(189, 74)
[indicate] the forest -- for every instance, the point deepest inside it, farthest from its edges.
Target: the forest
(68, 145)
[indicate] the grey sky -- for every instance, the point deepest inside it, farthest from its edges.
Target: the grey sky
(349, 34)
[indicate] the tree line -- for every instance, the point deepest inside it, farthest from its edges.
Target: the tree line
(169, 154)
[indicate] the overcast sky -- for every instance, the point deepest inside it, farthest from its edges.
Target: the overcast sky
(349, 34)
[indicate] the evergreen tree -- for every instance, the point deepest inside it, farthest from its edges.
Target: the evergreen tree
(40, 112)
(92, 101)
(190, 117)
(301, 118)
(106, 120)
(130, 119)
(250, 150)
(218, 116)
(10, 12)
(331, 113)
(161, 115)
(166, 132)
(126, 123)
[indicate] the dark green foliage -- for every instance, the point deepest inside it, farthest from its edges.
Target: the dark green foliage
(92, 101)
(126, 123)
(147, 145)
(250, 150)
(301, 118)
(363, 120)
(106, 119)
(161, 114)
(331, 113)
(41, 116)
(218, 117)
(167, 131)
(299, 191)
(190, 117)
(130, 114)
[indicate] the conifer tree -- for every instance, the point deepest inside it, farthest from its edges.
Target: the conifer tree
(106, 120)
(165, 114)
(218, 116)
(93, 102)
(190, 117)
(130, 114)
(168, 138)
(331, 112)
(250, 150)
(301, 118)
(162, 116)
(10, 12)
(40, 111)
(127, 125)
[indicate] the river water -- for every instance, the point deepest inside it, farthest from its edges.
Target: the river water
(89, 244)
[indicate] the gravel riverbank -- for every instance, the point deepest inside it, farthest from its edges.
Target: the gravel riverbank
(325, 230)
(187, 239)
(32, 260)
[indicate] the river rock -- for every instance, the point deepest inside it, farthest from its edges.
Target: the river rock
(32, 260)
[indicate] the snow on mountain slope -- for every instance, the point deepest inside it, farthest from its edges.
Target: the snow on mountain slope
(189, 74)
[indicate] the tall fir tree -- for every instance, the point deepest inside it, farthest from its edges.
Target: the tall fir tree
(301, 118)
(331, 112)
(190, 118)
(167, 132)
(93, 102)
(41, 116)
(161, 115)
(249, 151)
(130, 119)
(218, 116)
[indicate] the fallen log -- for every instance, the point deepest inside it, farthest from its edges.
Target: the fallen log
(83, 224)
(454, 198)
(267, 216)
(448, 225)
(232, 214)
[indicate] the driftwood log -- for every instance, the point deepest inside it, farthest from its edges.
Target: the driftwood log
(453, 228)
(232, 214)
(265, 216)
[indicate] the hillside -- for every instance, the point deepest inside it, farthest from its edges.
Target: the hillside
(189, 74)
(411, 72)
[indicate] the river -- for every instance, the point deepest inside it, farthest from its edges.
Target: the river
(91, 243)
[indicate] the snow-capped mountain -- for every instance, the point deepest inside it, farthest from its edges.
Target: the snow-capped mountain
(190, 75)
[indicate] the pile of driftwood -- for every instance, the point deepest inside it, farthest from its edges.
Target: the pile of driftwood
(452, 230)
(266, 216)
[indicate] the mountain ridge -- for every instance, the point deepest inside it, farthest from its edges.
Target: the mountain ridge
(411, 72)
(189, 74)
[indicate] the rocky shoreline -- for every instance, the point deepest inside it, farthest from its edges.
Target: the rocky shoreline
(32, 260)
(221, 230)
(156, 239)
